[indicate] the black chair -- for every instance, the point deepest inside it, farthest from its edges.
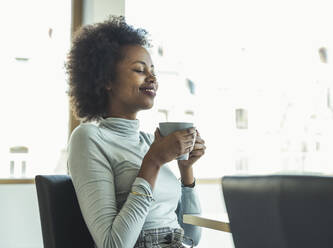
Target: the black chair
(280, 211)
(61, 219)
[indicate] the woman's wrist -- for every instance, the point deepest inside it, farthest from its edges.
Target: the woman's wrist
(187, 177)
(151, 160)
(192, 185)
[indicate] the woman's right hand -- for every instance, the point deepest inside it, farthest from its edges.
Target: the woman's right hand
(166, 149)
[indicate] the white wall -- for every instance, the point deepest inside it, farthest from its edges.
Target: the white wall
(19, 217)
(99, 10)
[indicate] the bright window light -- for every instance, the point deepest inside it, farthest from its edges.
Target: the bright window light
(33, 103)
(266, 64)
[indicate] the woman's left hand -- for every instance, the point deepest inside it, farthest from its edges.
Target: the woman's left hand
(197, 152)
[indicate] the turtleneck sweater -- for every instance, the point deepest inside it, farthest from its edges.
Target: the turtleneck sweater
(104, 161)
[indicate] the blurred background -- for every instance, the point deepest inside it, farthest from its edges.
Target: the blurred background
(255, 77)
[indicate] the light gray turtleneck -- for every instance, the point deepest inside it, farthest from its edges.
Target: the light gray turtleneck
(104, 161)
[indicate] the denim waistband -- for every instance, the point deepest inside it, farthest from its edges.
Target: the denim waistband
(162, 237)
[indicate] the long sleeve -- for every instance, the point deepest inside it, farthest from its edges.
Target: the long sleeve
(189, 204)
(94, 182)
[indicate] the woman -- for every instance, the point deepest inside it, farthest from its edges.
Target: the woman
(126, 195)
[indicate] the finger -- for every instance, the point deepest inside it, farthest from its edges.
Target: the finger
(190, 137)
(157, 134)
(186, 138)
(197, 153)
(188, 131)
(199, 140)
(198, 134)
(189, 143)
(199, 146)
(188, 147)
(192, 130)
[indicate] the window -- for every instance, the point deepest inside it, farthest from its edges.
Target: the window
(241, 118)
(246, 60)
(33, 100)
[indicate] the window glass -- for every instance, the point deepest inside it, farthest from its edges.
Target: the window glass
(256, 77)
(33, 102)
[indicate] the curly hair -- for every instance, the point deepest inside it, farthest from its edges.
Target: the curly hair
(91, 64)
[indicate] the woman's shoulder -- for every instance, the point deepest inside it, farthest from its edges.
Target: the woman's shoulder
(85, 131)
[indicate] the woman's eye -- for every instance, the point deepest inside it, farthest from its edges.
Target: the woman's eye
(143, 71)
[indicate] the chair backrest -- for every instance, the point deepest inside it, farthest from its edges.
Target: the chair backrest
(61, 219)
(280, 211)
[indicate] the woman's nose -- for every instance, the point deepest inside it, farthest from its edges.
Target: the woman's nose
(151, 78)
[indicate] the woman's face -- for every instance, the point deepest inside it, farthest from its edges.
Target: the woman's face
(135, 86)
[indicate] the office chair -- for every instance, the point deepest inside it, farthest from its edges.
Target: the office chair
(61, 219)
(280, 211)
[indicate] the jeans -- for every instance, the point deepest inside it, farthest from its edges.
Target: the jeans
(163, 238)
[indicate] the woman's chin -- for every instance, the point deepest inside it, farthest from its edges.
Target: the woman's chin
(148, 104)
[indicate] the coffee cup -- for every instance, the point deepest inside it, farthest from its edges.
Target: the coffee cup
(167, 128)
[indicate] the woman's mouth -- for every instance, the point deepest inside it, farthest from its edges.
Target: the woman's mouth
(148, 91)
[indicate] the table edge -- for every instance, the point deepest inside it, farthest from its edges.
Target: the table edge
(17, 180)
(205, 222)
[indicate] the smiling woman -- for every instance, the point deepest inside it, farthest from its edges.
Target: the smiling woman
(134, 81)
(126, 194)
(93, 62)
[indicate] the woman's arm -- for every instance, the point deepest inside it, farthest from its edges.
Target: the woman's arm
(93, 179)
(163, 150)
(189, 204)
